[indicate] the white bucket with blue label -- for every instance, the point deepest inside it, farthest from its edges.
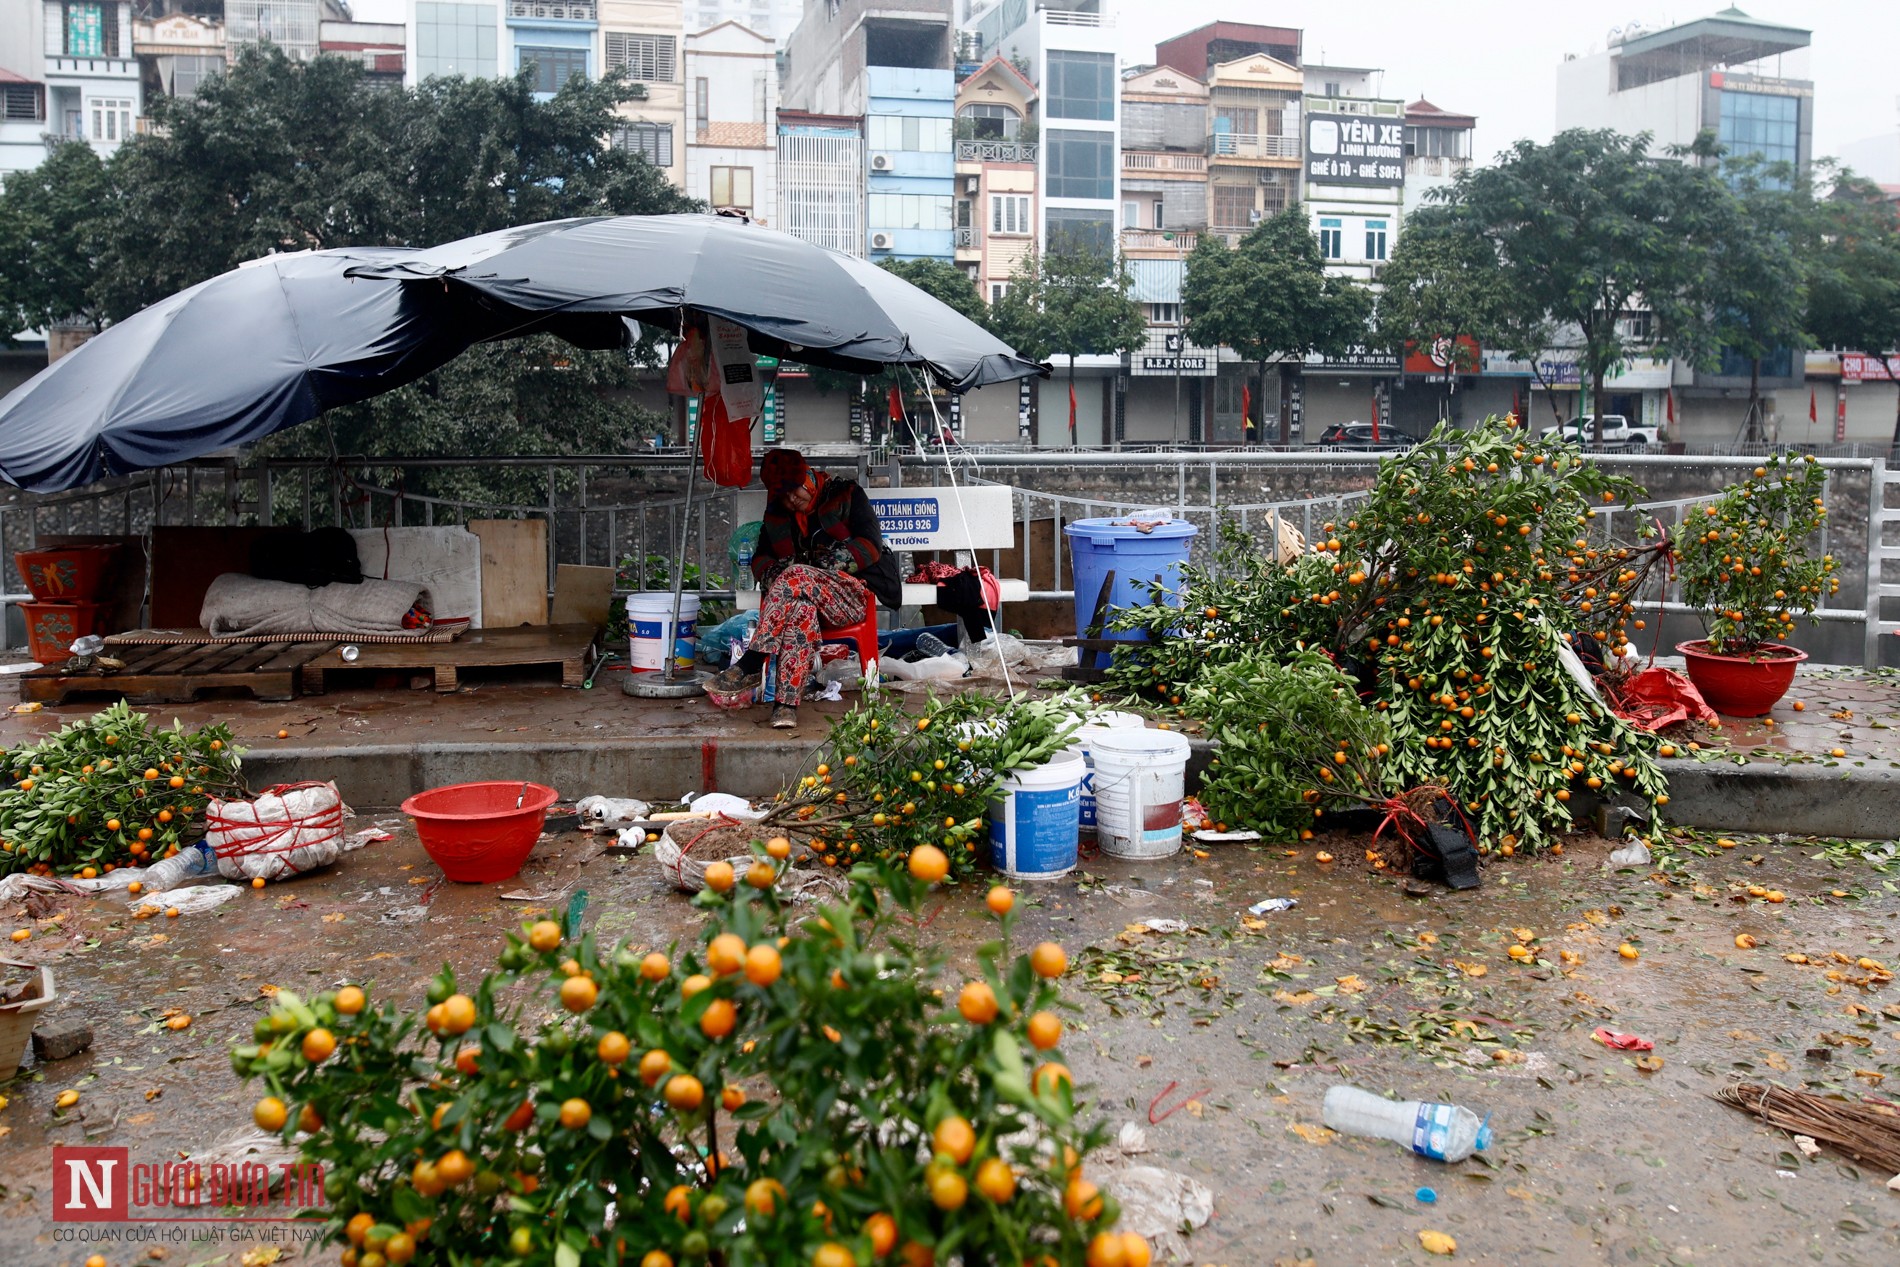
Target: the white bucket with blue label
(1094, 725)
(650, 622)
(1139, 779)
(1035, 831)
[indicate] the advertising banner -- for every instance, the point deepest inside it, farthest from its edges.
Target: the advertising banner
(1350, 149)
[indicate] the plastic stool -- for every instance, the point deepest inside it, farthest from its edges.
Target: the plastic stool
(862, 636)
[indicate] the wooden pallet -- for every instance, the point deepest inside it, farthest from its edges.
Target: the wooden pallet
(175, 674)
(562, 645)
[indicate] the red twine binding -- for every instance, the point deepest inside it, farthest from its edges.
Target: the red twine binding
(246, 837)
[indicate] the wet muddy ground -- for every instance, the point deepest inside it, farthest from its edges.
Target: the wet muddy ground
(1242, 1022)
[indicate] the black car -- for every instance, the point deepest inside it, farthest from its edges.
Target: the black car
(1359, 435)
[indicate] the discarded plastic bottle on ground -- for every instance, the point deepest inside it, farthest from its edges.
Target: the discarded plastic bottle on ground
(1443, 1132)
(188, 863)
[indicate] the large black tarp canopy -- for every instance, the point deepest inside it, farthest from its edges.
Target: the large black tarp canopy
(275, 343)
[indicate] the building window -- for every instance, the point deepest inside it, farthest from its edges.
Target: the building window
(1131, 214)
(1437, 143)
(651, 59)
(22, 101)
(455, 39)
(1332, 87)
(90, 28)
(732, 187)
(990, 122)
(1160, 214)
(702, 108)
(1164, 314)
(1275, 191)
(111, 119)
(651, 141)
(963, 213)
(908, 211)
(1080, 85)
(1073, 229)
(1760, 124)
(997, 291)
(1009, 213)
(906, 132)
(1375, 239)
(184, 73)
(1233, 206)
(1331, 238)
(553, 67)
(1081, 164)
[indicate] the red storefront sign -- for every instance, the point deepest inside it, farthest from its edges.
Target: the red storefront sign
(1859, 367)
(1440, 357)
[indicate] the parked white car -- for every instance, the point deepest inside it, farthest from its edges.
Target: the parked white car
(1616, 430)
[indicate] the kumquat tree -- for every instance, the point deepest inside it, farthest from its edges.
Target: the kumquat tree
(1459, 596)
(790, 1090)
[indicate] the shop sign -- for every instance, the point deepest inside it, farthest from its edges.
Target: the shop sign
(1351, 149)
(1357, 357)
(1858, 367)
(1442, 355)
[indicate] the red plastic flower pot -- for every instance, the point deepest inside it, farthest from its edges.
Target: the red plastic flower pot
(66, 574)
(51, 628)
(1741, 685)
(473, 830)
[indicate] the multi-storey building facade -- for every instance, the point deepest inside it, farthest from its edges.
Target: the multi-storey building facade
(996, 203)
(821, 179)
(731, 109)
(1254, 142)
(643, 39)
(93, 86)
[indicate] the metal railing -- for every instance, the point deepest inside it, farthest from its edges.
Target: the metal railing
(966, 237)
(557, 10)
(1075, 17)
(1252, 145)
(982, 150)
(612, 508)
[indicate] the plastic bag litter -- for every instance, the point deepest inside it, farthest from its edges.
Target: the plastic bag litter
(715, 643)
(1634, 853)
(724, 803)
(606, 813)
(192, 900)
(285, 831)
(1157, 1204)
(936, 668)
(988, 656)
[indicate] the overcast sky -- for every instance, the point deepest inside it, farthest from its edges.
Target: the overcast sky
(1497, 59)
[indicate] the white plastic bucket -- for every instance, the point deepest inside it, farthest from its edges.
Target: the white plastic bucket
(1138, 786)
(650, 621)
(1034, 832)
(1094, 725)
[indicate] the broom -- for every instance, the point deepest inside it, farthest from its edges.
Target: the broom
(1868, 1132)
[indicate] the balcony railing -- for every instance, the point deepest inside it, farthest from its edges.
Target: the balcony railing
(986, 151)
(1252, 145)
(1075, 17)
(966, 237)
(1152, 161)
(1157, 240)
(558, 10)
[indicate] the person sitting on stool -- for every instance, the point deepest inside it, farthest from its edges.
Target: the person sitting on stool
(821, 560)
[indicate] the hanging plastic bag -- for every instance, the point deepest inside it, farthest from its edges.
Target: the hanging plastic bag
(689, 372)
(725, 443)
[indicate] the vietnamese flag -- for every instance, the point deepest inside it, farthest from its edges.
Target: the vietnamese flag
(1071, 413)
(1246, 408)
(1813, 415)
(1375, 417)
(896, 407)
(1669, 406)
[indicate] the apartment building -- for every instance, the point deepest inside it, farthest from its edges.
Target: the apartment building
(731, 109)
(643, 40)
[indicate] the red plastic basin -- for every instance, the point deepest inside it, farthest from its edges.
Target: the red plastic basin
(473, 830)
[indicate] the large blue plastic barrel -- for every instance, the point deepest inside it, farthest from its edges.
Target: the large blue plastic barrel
(1099, 546)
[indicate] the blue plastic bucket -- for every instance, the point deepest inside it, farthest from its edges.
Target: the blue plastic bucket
(1035, 826)
(1099, 546)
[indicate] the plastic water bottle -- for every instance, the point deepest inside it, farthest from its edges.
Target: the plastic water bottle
(188, 863)
(1443, 1132)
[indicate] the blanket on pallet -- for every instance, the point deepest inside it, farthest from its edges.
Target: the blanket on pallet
(239, 604)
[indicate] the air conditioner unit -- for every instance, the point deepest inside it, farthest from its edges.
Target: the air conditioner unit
(970, 184)
(881, 162)
(1270, 176)
(881, 241)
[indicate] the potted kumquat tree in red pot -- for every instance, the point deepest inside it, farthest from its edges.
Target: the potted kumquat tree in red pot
(1746, 561)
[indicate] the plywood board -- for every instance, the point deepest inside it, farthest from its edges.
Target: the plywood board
(582, 595)
(514, 571)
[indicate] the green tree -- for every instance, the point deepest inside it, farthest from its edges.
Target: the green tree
(1592, 227)
(1854, 287)
(279, 155)
(1070, 301)
(49, 236)
(1442, 284)
(1759, 267)
(1270, 297)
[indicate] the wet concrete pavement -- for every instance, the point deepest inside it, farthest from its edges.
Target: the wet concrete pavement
(1594, 1160)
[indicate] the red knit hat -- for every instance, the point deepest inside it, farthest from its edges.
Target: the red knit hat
(782, 470)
